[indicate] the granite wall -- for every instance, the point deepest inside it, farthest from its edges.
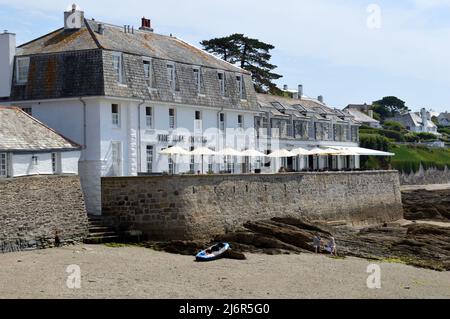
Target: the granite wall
(35, 210)
(195, 207)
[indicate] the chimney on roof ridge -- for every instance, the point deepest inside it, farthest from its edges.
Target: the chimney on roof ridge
(285, 87)
(320, 98)
(146, 25)
(73, 19)
(300, 91)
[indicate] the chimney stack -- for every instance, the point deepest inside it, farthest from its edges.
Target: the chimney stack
(7, 53)
(73, 19)
(320, 98)
(285, 87)
(146, 25)
(300, 91)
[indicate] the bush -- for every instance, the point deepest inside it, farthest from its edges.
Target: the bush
(426, 136)
(394, 126)
(396, 136)
(375, 142)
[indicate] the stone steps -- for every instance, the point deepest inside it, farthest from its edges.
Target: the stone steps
(100, 233)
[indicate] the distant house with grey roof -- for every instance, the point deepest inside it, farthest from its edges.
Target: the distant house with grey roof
(444, 119)
(363, 114)
(28, 147)
(417, 122)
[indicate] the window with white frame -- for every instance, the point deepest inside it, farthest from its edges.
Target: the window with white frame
(148, 71)
(118, 66)
(222, 121)
(55, 163)
(149, 117)
(240, 86)
(115, 114)
(240, 121)
(171, 75)
(198, 120)
(22, 68)
(149, 158)
(198, 78)
(171, 118)
(3, 165)
(221, 77)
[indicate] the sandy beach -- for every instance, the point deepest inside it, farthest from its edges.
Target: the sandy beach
(132, 272)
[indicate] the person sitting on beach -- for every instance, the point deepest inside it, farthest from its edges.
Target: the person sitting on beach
(316, 243)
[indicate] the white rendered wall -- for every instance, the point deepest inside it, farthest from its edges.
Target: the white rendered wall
(69, 162)
(22, 164)
(7, 53)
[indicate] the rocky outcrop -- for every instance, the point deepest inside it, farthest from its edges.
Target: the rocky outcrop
(427, 205)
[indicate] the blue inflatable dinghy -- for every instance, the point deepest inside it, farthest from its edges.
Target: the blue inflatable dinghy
(213, 253)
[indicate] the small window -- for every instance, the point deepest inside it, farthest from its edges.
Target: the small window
(222, 121)
(3, 165)
(118, 66)
(198, 79)
(34, 160)
(171, 76)
(171, 118)
(55, 163)
(240, 121)
(115, 112)
(198, 115)
(23, 66)
(149, 117)
(221, 77)
(149, 158)
(28, 110)
(148, 72)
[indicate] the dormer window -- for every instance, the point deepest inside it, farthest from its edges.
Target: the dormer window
(22, 67)
(148, 71)
(240, 86)
(118, 67)
(221, 77)
(171, 76)
(197, 78)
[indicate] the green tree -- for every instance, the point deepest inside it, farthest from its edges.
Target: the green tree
(389, 106)
(251, 55)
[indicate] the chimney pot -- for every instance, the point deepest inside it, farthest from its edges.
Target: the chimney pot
(300, 91)
(146, 25)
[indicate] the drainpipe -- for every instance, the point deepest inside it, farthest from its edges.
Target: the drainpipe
(139, 160)
(84, 128)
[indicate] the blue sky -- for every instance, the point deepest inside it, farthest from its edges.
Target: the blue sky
(326, 45)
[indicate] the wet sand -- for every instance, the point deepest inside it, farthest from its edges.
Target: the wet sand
(132, 272)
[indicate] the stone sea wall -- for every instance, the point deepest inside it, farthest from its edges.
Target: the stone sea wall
(196, 207)
(36, 210)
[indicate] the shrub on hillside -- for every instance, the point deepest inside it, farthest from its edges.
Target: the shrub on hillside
(394, 126)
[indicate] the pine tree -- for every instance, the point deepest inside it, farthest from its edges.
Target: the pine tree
(251, 55)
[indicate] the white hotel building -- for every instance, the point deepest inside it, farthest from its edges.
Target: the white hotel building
(126, 94)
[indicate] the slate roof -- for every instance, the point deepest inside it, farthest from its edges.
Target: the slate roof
(143, 43)
(314, 108)
(361, 117)
(19, 132)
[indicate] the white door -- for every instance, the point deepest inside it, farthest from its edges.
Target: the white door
(116, 155)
